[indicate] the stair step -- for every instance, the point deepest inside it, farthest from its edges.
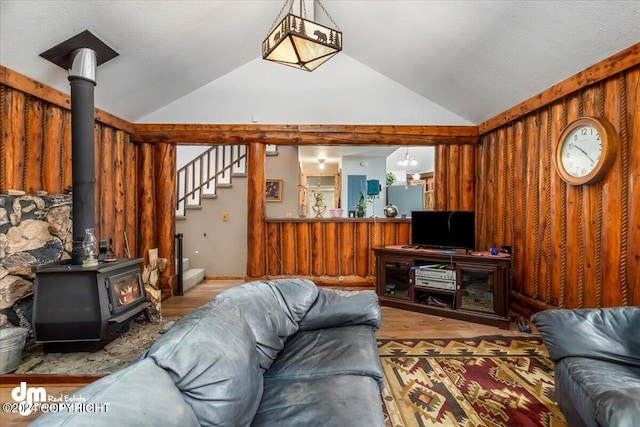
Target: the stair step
(192, 277)
(181, 217)
(271, 153)
(239, 175)
(185, 264)
(196, 207)
(225, 185)
(209, 196)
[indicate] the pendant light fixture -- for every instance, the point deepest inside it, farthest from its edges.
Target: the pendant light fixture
(300, 43)
(407, 161)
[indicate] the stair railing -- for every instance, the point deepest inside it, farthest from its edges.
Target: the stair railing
(204, 174)
(179, 255)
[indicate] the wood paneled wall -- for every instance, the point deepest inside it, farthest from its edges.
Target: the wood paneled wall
(329, 249)
(35, 154)
(454, 179)
(574, 246)
(36, 144)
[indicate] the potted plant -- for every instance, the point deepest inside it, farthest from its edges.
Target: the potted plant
(391, 178)
(319, 207)
(361, 206)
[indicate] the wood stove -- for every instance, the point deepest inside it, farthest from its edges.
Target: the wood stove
(79, 307)
(83, 308)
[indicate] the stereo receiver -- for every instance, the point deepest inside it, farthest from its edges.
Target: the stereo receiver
(435, 276)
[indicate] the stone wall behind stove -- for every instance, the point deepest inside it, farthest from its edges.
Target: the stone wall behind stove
(34, 230)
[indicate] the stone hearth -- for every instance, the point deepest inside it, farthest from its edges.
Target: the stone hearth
(114, 356)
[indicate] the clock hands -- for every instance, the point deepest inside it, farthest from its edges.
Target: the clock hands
(584, 152)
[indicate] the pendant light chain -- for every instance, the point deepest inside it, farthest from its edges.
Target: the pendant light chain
(327, 13)
(304, 13)
(275, 21)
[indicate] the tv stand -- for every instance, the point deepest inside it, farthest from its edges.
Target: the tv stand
(461, 284)
(439, 250)
(448, 251)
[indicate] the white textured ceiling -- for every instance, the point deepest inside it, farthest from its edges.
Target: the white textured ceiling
(474, 58)
(333, 154)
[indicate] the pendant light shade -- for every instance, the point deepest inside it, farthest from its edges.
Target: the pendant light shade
(407, 161)
(301, 43)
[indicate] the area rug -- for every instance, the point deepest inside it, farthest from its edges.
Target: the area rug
(487, 381)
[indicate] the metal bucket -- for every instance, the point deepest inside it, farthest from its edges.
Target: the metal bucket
(12, 342)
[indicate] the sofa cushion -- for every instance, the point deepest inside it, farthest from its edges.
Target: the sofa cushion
(341, 308)
(337, 401)
(594, 388)
(620, 407)
(141, 394)
(272, 309)
(609, 334)
(571, 398)
(327, 352)
(210, 355)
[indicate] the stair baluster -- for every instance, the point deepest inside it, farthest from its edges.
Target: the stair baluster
(204, 174)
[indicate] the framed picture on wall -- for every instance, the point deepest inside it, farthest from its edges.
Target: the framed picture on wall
(274, 190)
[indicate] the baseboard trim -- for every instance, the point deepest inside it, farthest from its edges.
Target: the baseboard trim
(224, 278)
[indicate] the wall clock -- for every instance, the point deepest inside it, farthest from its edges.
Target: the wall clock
(586, 150)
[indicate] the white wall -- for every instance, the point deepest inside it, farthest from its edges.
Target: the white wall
(284, 166)
(341, 91)
(210, 242)
(186, 153)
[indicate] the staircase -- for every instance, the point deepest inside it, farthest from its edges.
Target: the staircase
(202, 177)
(190, 276)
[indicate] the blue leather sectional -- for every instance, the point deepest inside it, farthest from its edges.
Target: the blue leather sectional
(597, 364)
(273, 353)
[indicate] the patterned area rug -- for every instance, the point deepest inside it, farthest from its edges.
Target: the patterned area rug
(487, 381)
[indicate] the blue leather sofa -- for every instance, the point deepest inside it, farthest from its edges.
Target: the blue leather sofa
(275, 353)
(597, 364)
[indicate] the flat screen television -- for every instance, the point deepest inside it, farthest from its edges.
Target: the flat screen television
(443, 229)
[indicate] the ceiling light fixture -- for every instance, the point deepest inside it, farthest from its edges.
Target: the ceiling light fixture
(321, 163)
(407, 161)
(299, 42)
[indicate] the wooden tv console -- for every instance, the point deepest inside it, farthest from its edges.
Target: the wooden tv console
(465, 285)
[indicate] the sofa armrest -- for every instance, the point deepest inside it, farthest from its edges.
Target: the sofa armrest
(141, 394)
(335, 308)
(609, 334)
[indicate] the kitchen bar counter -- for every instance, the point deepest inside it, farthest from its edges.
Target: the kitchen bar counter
(343, 219)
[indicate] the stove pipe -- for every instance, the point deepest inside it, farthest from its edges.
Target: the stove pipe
(82, 78)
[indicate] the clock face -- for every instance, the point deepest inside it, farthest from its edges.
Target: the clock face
(581, 151)
(586, 150)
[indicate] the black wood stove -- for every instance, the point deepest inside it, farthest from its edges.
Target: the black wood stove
(83, 308)
(78, 307)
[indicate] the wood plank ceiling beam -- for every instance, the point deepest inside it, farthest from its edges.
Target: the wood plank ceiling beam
(305, 134)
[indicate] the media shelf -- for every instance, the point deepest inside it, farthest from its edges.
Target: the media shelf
(471, 286)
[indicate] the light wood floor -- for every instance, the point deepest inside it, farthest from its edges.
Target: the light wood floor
(396, 324)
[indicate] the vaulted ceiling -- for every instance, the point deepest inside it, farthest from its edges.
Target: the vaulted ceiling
(475, 59)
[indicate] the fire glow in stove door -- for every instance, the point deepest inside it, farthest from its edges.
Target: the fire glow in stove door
(126, 290)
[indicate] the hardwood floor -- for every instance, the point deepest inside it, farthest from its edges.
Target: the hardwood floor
(396, 324)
